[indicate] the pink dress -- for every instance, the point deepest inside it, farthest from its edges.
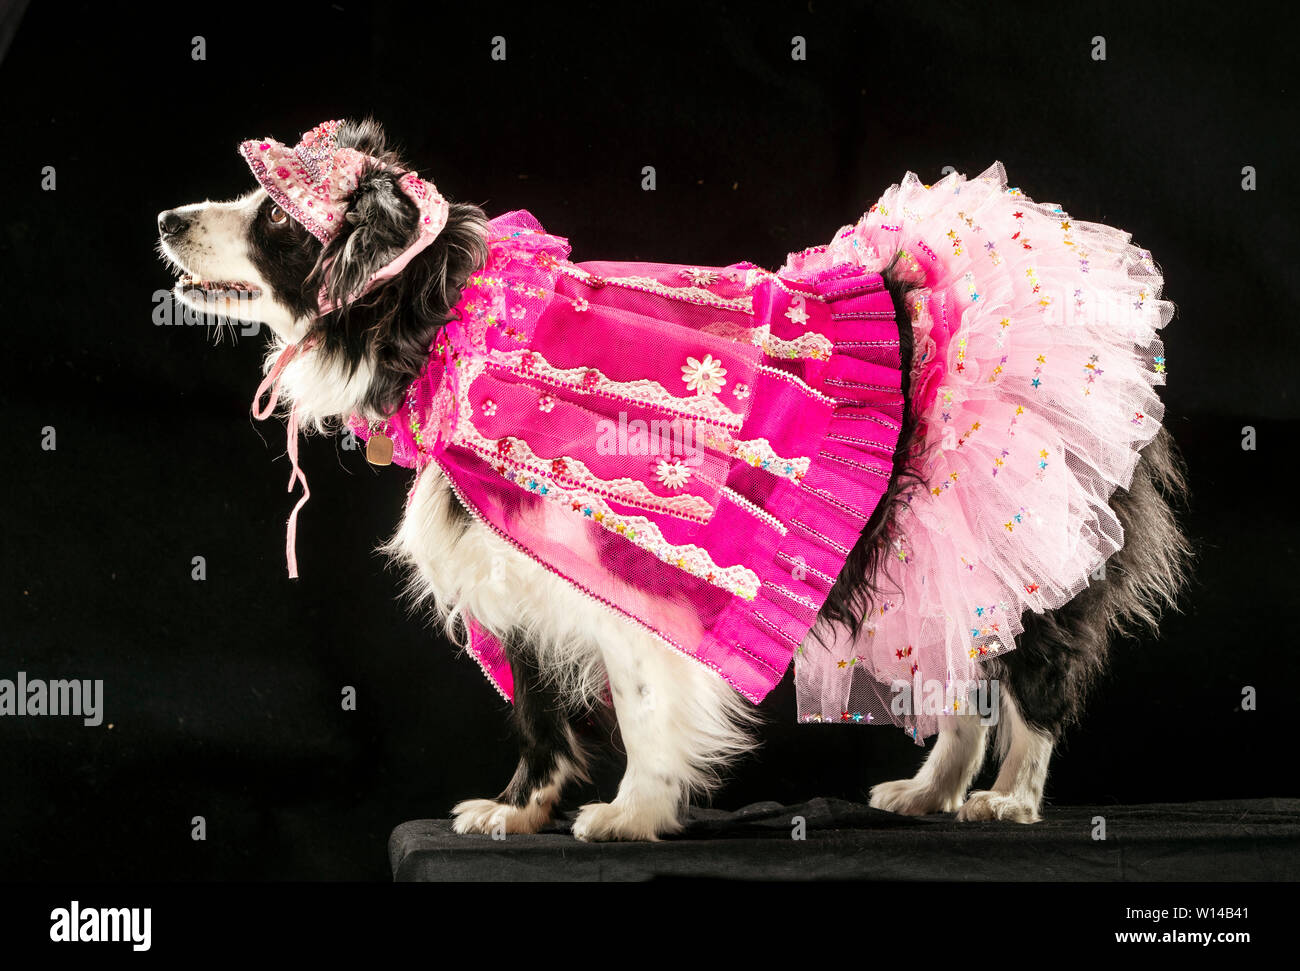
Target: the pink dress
(699, 447)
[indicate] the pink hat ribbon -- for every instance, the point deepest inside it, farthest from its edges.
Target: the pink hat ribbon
(261, 412)
(314, 181)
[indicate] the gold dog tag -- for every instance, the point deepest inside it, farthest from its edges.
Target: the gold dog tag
(379, 450)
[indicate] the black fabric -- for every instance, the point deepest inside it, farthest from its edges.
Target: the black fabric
(1242, 840)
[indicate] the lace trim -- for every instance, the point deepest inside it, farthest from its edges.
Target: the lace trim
(521, 456)
(646, 284)
(813, 345)
(644, 391)
(737, 580)
(759, 453)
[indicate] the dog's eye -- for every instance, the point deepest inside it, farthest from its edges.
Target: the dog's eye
(277, 215)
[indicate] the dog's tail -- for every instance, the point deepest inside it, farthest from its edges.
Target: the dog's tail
(1145, 577)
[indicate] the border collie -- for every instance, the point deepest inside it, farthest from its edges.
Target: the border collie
(680, 724)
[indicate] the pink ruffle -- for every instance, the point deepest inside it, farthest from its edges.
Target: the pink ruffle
(1034, 375)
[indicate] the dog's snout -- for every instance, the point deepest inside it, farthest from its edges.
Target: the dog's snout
(172, 223)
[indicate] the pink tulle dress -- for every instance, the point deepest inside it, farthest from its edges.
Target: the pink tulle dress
(699, 448)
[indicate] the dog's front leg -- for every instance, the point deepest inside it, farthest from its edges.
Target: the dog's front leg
(551, 755)
(679, 724)
(940, 786)
(1017, 793)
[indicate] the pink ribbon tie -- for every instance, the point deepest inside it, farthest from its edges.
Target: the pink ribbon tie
(272, 383)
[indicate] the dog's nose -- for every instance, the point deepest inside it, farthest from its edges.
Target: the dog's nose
(170, 223)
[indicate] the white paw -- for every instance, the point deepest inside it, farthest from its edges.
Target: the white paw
(1011, 808)
(600, 822)
(491, 817)
(908, 797)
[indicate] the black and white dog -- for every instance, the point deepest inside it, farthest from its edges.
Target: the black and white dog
(679, 723)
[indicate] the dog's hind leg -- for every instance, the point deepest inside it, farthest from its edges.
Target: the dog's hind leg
(1017, 793)
(551, 755)
(940, 786)
(679, 722)
(1061, 653)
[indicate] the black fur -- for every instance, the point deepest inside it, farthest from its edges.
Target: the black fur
(1062, 652)
(543, 724)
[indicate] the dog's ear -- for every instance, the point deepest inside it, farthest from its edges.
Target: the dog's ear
(381, 222)
(394, 323)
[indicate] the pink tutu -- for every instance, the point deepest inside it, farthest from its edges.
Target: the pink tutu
(1035, 365)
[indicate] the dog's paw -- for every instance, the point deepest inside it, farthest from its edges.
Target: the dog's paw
(492, 817)
(908, 797)
(1008, 807)
(601, 822)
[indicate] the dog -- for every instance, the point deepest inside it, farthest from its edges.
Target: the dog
(569, 656)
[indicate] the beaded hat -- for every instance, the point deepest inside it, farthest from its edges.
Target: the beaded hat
(314, 180)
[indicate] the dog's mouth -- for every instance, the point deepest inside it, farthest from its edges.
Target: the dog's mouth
(195, 286)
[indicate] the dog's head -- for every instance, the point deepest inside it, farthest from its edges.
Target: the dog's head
(250, 259)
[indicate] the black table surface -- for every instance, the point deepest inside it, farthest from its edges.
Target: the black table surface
(1256, 839)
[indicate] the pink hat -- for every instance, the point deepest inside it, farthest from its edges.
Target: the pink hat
(314, 180)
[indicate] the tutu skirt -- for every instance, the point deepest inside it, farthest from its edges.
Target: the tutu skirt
(1034, 368)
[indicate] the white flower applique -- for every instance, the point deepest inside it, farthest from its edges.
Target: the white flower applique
(701, 278)
(674, 474)
(704, 377)
(796, 312)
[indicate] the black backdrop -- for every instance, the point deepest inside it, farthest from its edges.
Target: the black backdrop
(223, 696)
